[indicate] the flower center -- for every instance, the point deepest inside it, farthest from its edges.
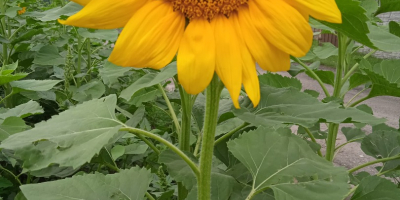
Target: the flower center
(206, 9)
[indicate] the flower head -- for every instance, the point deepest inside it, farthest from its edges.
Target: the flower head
(22, 11)
(224, 36)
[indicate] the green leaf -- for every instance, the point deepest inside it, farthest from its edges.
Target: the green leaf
(326, 50)
(394, 28)
(92, 90)
(26, 36)
(356, 80)
(12, 11)
(23, 110)
(8, 69)
(297, 69)
(279, 81)
(5, 183)
(137, 148)
(327, 77)
(384, 78)
(55, 13)
(117, 151)
(76, 136)
(127, 185)
(11, 77)
(374, 187)
(289, 106)
(388, 6)
(383, 39)
(144, 95)
(353, 133)
(110, 73)
(48, 55)
(11, 125)
(35, 85)
(149, 80)
(354, 23)
(111, 35)
(227, 126)
(370, 6)
(279, 160)
(178, 169)
(383, 144)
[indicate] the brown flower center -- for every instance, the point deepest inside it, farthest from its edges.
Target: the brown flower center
(206, 9)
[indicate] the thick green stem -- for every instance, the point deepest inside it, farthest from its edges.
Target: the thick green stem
(373, 162)
(3, 9)
(316, 77)
(187, 104)
(230, 133)
(171, 109)
(207, 148)
(312, 139)
(334, 128)
(354, 68)
(89, 56)
(175, 149)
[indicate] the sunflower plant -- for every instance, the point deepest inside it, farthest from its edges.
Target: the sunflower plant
(178, 99)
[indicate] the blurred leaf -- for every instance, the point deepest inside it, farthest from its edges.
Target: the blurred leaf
(374, 187)
(128, 184)
(353, 133)
(26, 36)
(92, 90)
(55, 13)
(283, 162)
(279, 81)
(297, 69)
(110, 73)
(48, 55)
(149, 80)
(326, 50)
(388, 6)
(227, 126)
(11, 125)
(88, 126)
(23, 110)
(327, 77)
(8, 69)
(111, 35)
(35, 85)
(12, 12)
(383, 144)
(383, 39)
(394, 28)
(289, 106)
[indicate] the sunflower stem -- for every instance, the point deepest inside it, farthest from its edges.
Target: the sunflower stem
(334, 128)
(210, 123)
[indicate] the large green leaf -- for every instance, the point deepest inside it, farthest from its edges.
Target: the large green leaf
(374, 188)
(126, 185)
(221, 184)
(383, 39)
(55, 13)
(8, 69)
(11, 77)
(99, 34)
(48, 55)
(283, 162)
(354, 23)
(23, 110)
(70, 139)
(388, 6)
(92, 90)
(11, 125)
(279, 81)
(384, 77)
(35, 85)
(288, 105)
(110, 73)
(383, 144)
(149, 80)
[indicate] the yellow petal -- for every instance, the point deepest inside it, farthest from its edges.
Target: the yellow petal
(104, 14)
(249, 70)
(81, 2)
(326, 10)
(228, 46)
(266, 55)
(282, 25)
(151, 38)
(196, 56)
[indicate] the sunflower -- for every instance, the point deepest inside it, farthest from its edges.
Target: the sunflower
(224, 36)
(22, 11)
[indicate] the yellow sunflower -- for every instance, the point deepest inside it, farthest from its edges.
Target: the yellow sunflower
(224, 36)
(22, 11)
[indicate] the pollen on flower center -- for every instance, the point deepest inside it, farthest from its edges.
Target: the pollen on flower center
(206, 9)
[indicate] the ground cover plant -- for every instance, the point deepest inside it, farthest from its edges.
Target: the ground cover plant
(74, 125)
